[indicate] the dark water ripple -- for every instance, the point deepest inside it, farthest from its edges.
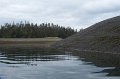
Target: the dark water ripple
(51, 64)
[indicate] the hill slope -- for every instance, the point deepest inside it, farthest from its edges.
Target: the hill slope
(103, 36)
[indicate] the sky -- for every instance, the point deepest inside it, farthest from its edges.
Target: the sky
(73, 13)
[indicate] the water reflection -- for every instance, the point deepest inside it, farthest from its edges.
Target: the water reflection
(25, 56)
(35, 63)
(109, 62)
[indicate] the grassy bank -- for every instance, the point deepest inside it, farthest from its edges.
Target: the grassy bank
(28, 42)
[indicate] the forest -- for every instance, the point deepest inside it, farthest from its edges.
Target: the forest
(31, 30)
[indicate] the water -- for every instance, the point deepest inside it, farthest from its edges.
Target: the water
(42, 64)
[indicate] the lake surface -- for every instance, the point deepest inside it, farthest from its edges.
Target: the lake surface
(46, 64)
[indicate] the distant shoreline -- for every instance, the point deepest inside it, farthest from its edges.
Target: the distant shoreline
(28, 42)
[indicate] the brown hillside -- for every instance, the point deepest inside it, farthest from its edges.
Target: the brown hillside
(103, 36)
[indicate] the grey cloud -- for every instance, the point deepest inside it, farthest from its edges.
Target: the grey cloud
(74, 13)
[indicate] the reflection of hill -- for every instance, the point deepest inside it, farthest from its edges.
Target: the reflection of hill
(99, 59)
(112, 72)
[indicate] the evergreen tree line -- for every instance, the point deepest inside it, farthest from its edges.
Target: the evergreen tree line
(30, 30)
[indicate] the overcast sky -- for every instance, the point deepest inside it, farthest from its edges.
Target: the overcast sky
(74, 13)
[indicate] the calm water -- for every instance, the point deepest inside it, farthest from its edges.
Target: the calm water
(42, 64)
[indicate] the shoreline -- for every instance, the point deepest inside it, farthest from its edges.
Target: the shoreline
(28, 42)
(94, 51)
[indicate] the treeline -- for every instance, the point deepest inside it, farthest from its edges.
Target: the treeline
(30, 30)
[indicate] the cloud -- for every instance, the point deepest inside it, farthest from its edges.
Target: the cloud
(74, 13)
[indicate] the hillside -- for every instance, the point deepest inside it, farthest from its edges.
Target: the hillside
(102, 36)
